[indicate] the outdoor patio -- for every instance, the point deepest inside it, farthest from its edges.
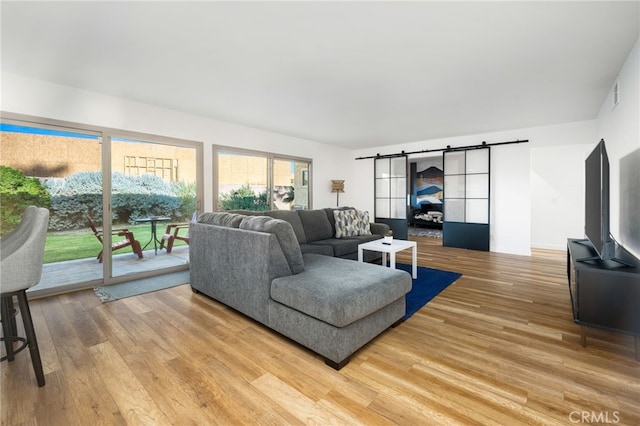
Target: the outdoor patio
(68, 275)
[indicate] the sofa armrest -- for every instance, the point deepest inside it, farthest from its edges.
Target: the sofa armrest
(379, 228)
(236, 266)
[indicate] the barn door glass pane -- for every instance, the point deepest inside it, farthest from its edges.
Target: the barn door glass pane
(466, 199)
(391, 193)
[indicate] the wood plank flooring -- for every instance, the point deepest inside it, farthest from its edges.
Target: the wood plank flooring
(497, 347)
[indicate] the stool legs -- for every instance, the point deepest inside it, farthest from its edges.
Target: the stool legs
(8, 325)
(9, 330)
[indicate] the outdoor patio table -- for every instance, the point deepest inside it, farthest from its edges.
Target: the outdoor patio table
(154, 221)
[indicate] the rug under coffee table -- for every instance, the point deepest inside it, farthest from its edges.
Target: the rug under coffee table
(392, 249)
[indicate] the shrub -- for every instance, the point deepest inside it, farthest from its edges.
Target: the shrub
(141, 196)
(186, 193)
(244, 198)
(132, 197)
(17, 192)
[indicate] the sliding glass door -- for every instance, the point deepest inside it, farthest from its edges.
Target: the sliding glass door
(153, 187)
(466, 199)
(101, 188)
(59, 169)
(391, 194)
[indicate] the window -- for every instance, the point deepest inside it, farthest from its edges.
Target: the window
(253, 180)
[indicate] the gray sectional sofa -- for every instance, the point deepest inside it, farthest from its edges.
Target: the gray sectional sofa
(315, 231)
(330, 305)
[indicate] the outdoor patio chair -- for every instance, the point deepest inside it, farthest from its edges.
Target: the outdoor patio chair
(172, 233)
(21, 259)
(129, 239)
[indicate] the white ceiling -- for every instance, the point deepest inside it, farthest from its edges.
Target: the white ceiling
(357, 74)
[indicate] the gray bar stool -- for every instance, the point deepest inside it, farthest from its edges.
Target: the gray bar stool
(21, 258)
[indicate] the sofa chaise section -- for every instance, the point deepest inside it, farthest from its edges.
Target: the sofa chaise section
(333, 309)
(332, 306)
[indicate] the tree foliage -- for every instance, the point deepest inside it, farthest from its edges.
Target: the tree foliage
(17, 192)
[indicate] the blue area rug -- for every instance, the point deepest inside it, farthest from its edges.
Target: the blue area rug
(429, 283)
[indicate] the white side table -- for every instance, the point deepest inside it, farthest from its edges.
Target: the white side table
(392, 249)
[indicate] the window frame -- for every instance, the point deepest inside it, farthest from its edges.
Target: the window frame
(270, 156)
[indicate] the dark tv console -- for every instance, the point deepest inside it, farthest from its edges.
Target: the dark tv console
(604, 294)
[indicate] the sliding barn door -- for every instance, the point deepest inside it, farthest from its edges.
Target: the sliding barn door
(466, 199)
(391, 194)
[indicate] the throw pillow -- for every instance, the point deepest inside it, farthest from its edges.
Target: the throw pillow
(346, 223)
(363, 225)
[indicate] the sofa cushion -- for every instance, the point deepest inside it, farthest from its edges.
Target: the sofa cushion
(379, 229)
(316, 225)
(344, 247)
(283, 232)
(340, 246)
(230, 220)
(315, 248)
(346, 223)
(365, 238)
(293, 218)
(339, 291)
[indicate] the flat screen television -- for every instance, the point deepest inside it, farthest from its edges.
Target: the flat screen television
(596, 206)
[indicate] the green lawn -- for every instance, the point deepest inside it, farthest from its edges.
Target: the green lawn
(82, 244)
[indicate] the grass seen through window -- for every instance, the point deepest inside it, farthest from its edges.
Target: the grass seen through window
(82, 244)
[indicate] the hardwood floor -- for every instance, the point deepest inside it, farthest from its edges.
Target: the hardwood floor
(496, 347)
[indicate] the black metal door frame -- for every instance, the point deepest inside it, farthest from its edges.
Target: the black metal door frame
(390, 193)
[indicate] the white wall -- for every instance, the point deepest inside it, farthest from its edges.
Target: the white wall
(619, 126)
(37, 98)
(537, 188)
(520, 177)
(557, 194)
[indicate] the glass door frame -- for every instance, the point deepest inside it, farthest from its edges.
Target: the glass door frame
(385, 192)
(467, 199)
(129, 136)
